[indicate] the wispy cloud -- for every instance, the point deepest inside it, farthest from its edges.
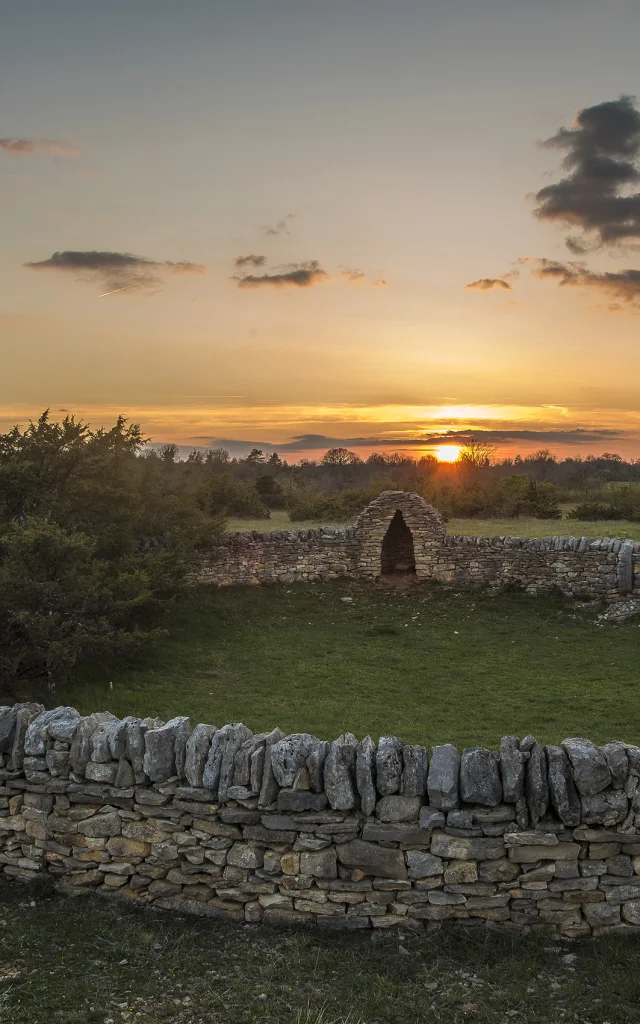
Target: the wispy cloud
(300, 275)
(39, 147)
(622, 285)
(250, 261)
(354, 276)
(281, 227)
(115, 271)
(487, 284)
(602, 150)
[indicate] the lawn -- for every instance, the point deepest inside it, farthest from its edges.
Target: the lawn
(424, 663)
(93, 961)
(523, 527)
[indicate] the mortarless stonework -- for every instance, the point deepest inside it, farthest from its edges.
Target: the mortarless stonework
(575, 566)
(349, 835)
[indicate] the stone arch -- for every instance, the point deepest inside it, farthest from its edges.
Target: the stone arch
(385, 522)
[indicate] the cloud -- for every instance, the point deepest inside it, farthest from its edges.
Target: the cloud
(621, 285)
(353, 276)
(320, 442)
(602, 151)
(250, 261)
(301, 275)
(281, 227)
(115, 271)
(487, 284)
(358, 277)
(39, 147)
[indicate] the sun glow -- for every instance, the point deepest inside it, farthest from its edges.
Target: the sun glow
(447, 453)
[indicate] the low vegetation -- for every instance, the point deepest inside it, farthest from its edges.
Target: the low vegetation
(92, 961)
(422, 663)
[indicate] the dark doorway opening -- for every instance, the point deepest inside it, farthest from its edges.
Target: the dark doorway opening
(397, 547)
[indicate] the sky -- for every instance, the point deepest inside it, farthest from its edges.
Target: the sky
(258, 223)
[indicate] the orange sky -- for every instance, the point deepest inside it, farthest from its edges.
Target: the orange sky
(256, 225)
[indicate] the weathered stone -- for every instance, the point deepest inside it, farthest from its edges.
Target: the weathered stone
(388, 765)
(125, 775)
(536, 786)
(161, 746)
(616, 757)
(269, 788)
(99, 772)
(315, 766)
(398, 808)
(301, 800)
(601, 914)
(590, 769)
(372, 859)
(631, 912)
(7, 727)
(431, 818)
(604, 808)
(531, 854)
(479, 777)
(119, 846)
(242, 855)
(461, 871)
(443, 777)
(415, 763)
(289, 754)
(458, 848)
(501, 870)
(196, 754)
(340, 773)
(395, 832)
(421, 864)
(321, 864)
(232, 738)
(135, 730)
(365, 774)
(34, 741)
(25, 713)
(512, 769)
(562, 791)
(101, 825)
(80, 751)
(530, 839)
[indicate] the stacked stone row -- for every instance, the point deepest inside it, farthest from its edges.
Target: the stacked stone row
(577, 781)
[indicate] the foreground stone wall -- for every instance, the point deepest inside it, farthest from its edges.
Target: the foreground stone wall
(576, 566)
(346, 835)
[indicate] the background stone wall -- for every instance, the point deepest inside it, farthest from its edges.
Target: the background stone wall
(576, 566)
(346, 835)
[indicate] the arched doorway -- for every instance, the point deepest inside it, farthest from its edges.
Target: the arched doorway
(398, 554)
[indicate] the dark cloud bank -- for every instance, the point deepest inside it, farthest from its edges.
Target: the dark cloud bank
(320, 442)
(596, 197)
(300, 275)
(487, 284)
(602, 150)
(115, 271)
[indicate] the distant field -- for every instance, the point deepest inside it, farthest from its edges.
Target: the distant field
(422, 663)
(523, 527)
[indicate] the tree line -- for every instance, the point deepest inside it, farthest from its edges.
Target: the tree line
(98, 528)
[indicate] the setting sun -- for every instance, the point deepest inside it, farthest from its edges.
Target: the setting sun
(447, 453)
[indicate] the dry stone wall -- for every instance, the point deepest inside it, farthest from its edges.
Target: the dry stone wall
(345, 835)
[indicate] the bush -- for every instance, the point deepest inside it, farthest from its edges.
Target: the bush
(94, 543)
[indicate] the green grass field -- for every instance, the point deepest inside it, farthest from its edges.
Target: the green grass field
(93, 961)
(424, 663)
(523, 527)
